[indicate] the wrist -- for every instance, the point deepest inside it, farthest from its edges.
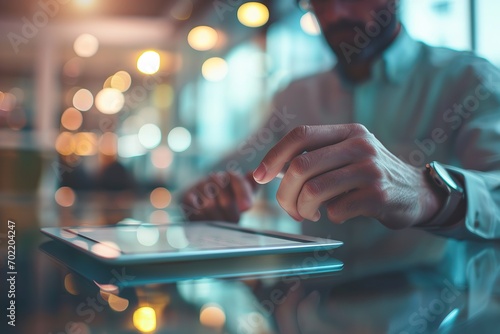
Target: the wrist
(446, 193)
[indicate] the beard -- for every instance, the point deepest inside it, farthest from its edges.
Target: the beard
(357, 41)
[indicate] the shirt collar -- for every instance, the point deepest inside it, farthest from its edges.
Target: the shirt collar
(400, 57)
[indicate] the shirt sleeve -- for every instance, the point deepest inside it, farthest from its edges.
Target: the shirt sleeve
(477, 147)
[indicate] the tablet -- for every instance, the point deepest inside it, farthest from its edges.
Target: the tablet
(152, 243)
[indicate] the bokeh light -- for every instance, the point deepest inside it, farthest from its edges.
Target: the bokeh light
(7, 101)
(84, 3)
(121, 81)
(86, 45)
(71, 119)
(70, 284)
(213, 316)
(160, 198)
(182, 10)
(129, 146)
(144, 319)
(65, 197)
(85, 143)
(309, 24)
(202, 38)
(106, 249)
(159, 217)
(176, 237)
(108, 144)
(109, 101)
(150, 136)
(117, 304)
(179, 139)
(149, 62)
(65, 143)
(162, 157)
(73, 67)
(83, 100)
(253, 14)
(214, 69)
(147, 235)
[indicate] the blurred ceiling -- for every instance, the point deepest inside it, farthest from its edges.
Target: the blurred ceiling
(123, 28)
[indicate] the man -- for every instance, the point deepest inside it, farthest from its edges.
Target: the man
(359, 137)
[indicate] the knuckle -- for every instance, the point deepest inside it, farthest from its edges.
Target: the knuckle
(299, 133)
(311, 190)
(359, 129)
(365, 145)
(299, 165)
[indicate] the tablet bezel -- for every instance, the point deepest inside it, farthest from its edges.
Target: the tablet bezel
(309, 244)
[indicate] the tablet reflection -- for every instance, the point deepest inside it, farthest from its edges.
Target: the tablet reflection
(106, 249)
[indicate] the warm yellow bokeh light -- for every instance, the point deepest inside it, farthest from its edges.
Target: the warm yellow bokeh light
(213, 316)
(214, 69)
(109, 101)
(145, 319)
(86, 45)
(160, 198)
(309, 24)
(121, 81)
(149, 62)
(108, 144)
(71, 119)
(85, 143)
(65, 143)
(253, 14)
(65, 197)
(83, 100)
(84, 3)
(202, 38)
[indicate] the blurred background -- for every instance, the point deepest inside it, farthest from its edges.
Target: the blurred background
(142, 97)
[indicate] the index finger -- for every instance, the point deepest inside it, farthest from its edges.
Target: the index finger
(300, 139)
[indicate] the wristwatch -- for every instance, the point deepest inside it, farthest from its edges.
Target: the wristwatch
(451, 188)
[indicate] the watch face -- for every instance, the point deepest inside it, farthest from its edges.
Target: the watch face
(445, 176)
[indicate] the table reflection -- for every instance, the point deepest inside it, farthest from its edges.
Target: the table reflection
(456, 291)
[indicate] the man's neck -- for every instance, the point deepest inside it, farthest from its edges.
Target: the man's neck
(361, 71)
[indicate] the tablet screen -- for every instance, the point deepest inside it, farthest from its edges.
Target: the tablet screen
(178, 238)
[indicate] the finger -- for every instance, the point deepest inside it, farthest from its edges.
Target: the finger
(359, 202)
(300, 139)
(309, 165)
(329, 185)
(242, 191)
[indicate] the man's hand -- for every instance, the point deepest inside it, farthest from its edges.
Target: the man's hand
(221, 196)
(346, 168)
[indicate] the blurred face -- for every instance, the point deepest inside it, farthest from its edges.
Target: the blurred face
(356, 30)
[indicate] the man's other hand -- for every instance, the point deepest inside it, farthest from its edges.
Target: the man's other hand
(221, 196)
